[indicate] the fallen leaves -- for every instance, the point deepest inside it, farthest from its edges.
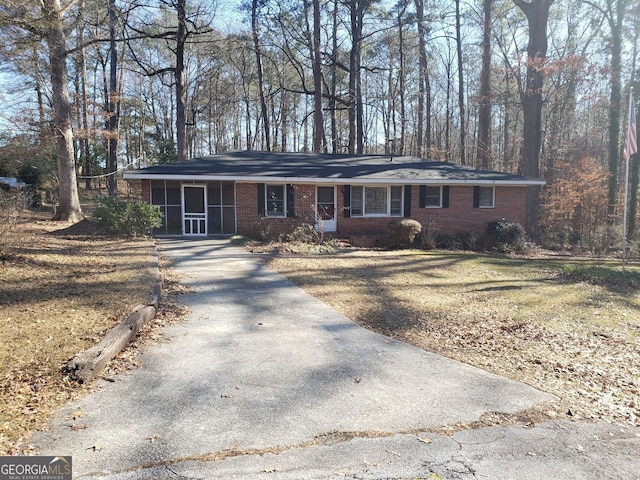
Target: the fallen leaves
(424, 440)
(514, 317)
(58, 295)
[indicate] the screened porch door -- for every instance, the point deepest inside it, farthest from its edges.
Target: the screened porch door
(194, 210)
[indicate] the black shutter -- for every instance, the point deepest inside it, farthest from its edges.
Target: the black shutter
(407, 201)
(262, 208)
(346, 193)
(476, 197)
(445, 196)
(290, 194)
(423, 196)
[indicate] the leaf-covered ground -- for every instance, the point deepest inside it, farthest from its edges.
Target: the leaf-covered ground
(61, 288)
(570, 327)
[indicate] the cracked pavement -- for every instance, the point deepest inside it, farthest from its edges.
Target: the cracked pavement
(265, 381)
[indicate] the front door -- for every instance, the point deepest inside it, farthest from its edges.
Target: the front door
(326, 209)
(194, 210)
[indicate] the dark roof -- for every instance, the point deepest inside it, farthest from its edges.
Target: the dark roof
(252, 166)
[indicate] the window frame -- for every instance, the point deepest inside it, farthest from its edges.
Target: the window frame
(439, 205)
(267, 201)
(358, 197)
(481, 197)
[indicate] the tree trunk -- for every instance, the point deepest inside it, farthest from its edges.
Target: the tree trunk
(69, 203)
(615, 20)
(84, 141)
(423, 134)
(402, 78)
(461, 103)
(485, 100)
(318, 123)
(335, 140)
(355, 107)
(447, 128)
(256, 46)
(113, 101)
(181, 117)
(635, 163)
(537, 12)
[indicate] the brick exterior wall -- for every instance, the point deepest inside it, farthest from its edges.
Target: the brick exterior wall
(145, 190)
(510, 204)
(460, 216)
(248, 218)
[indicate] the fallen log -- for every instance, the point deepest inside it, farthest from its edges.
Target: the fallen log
(156, 281)
(88, 364)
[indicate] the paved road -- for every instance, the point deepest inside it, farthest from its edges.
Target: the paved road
(264, 381)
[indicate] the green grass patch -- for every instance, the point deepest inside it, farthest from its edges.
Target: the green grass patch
(606, 276)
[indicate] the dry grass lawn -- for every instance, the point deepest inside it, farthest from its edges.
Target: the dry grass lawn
(566, 326)
(570, 327)
(61, 288)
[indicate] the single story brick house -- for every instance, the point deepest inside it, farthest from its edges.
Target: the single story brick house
(352, 196)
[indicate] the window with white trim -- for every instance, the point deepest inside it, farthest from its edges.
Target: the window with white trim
(486, 197)
(433, 196)
(275, 200)
(376, 201)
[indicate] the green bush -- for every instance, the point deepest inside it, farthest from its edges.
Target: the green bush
(505, 236)
(127, 218)
(403, 234)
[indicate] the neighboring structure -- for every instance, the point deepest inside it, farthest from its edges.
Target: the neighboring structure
(11, 183)
(355, 196)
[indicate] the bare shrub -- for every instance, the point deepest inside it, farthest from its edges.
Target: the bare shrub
(304, 233)
(263, 230)
(11, 207)
(403, 234)
(429, 236)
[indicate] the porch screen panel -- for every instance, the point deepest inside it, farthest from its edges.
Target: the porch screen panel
(158, 193)
(215, 220)
(221, 209)
(214, 194)
(228, 219)
(173, 220)
(166, 195)
(228, 194)
(174, 196)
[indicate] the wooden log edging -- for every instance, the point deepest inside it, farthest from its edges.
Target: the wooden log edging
(88, 364)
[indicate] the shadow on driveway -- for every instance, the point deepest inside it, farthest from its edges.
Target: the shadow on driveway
(260, 365)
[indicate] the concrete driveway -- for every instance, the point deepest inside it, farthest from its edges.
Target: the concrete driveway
(264, 380)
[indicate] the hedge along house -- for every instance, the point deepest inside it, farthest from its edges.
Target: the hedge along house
(352, 196)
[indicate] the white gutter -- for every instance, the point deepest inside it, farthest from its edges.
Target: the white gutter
(329, 181)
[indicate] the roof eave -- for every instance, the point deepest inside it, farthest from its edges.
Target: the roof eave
(332, 181)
